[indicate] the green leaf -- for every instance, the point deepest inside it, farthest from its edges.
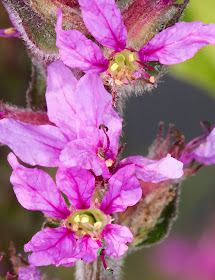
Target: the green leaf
(200, 70)
(163, 224)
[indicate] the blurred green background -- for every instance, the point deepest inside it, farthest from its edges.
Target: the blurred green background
(174, 101)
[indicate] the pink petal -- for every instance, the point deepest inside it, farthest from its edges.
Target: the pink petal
(33, 144)
(88, 248)
(51, 246)
(29, 272)
(178, 43)
(60, 95)
(9, 32)
(35, 190)
(205, 153)
(82, 153)
(76, 51)
(78, 185)
(94, 107)
(105, 22)
(124, 190)
(155, 171)
(116, 237)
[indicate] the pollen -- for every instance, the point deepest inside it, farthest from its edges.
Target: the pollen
(118, 82)
(131, 57)
(94, 237)
(109, 162)
(85, 219)
(77, 219)
(9, 31)
(98, 225)
(75, 227)
(114, 67)
(152, 79)
(100, 153)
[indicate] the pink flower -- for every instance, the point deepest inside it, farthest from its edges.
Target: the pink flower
(205, 152)
(124, 64)
(86, 223)
(201, 149)
(77, 108)
(86, 132)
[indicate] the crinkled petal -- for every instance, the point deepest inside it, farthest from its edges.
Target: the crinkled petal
(76, 51)
(88, 248)
(77, 184)
(35, 190)
(60, 95)
(124, 190)
(205, 153)
(33, 144)
(116, 237)
(29, 272)
(9, 32)
(178, 43)
(83, 153)
(105, 22)
(155, 171)
(94, 107)
(51, 246)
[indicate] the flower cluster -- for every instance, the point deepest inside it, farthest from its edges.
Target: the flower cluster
(80, 136)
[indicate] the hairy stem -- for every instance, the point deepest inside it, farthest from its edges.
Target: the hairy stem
(96, 271)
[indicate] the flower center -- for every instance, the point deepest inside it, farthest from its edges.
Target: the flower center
(125, 67)
(90, 221)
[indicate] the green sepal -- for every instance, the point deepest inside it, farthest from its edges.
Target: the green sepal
(160, 230)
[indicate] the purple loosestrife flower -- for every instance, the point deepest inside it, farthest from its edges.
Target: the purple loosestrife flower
(86, 132)
(124, 64)
(201, 150)
(77, 109)
(86, 223)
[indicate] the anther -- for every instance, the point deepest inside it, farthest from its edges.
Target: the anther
(131, 57)
(83, 232)
(85, 219)
(77, 219)
(114, 67)
(109, 270)
(103, 126)
(101, 154)
(109, 162)
(158, 68)
(94, 237)
(152, 79)
(118, 82)
(75, 227)
(97, 225)
(9, 31)
(99, 251)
